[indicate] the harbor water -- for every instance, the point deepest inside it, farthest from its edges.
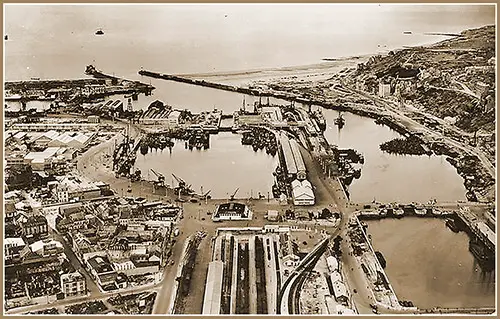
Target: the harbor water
(430, 265)
(389, 177)
(224, 167)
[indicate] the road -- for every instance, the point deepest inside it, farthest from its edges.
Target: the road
(80, 299)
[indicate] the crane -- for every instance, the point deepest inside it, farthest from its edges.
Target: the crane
(161, 178)
(231, 198)
(182, 187)
(204, 196)
(179, 180)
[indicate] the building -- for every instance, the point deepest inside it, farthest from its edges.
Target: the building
(290, 259)
(47, 247)
(173, 117)
(384, 90)
(12, 248)
(340, 292)
(73, 284)
(102, 270)
(232, 211)
(272, 215)
(94, 119)
(93, 89)
(44, 139)
(40, 161)
(302, 193)
(75, 140)
(333, 264)
(291, 168)
(213, 288)
(35, 226)
(41, 127)
(77, 188)
(299, 161)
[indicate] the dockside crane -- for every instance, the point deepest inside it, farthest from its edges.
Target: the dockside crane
(183, 187)
(231, 198)
(160, 178)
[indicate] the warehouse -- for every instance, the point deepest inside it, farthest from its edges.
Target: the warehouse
(213, 288)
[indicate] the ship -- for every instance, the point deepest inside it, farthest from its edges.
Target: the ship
(99, 32)
(452, 225)
(6, 37)
(486, 260)
(407, 32)
(339, 121)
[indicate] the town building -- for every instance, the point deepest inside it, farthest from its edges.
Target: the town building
(73, 284)
(102, 270)
(232, 211)
(47, 247)
(290, 259)
(302, 193)
(272, 215)
(35, 226)
(12, 248)
(384, 90)
(77, 188)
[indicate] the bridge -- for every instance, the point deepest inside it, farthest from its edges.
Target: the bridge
(288, 297)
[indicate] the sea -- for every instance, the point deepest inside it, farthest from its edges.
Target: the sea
(59, 41)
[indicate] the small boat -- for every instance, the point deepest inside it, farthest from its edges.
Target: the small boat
(420, 211)
(339, 121)
(99, 32)
(399, 212)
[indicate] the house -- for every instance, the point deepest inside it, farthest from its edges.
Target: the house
(73, 284)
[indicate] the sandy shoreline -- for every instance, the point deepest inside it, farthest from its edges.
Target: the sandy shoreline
(320, 69)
